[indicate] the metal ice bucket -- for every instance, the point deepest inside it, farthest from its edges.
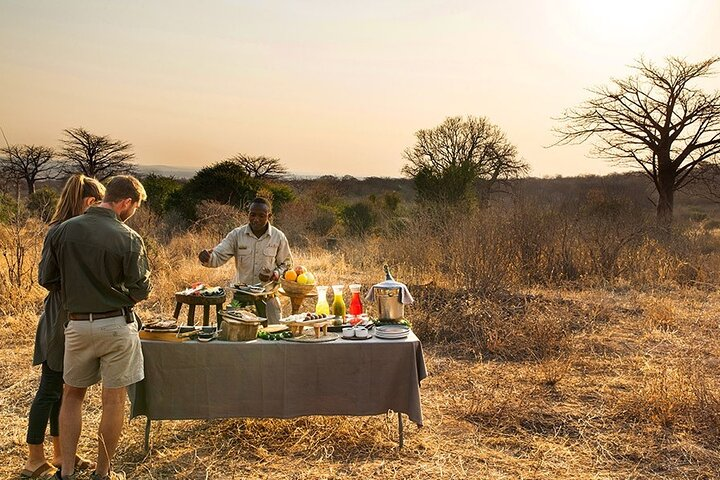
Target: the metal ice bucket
(388, 303)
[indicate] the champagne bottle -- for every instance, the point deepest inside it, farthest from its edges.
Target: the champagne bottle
(388, 275)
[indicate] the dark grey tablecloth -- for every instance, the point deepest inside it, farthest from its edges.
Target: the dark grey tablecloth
(261, 378)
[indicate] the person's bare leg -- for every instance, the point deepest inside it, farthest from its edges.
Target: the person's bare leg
(57, 452)
(111, 423)
(36, 456)
(70, 426)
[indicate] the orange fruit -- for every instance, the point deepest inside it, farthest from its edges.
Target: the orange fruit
(290, 276)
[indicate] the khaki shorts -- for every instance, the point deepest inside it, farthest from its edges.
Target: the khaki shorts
(107, 349)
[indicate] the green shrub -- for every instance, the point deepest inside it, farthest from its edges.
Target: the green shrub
(159, 189)
(8, 207)
(391, 201)
(359, 218)
(42, 202)
(324, 221)
(224, 182)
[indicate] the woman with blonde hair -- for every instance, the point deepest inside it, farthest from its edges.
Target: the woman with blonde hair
(78, 194)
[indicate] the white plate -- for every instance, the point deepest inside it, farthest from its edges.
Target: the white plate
(393, 329)
(391, 337)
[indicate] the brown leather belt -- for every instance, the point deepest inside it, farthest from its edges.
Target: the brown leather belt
(96, 316)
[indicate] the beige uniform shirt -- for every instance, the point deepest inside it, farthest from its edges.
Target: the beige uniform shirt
(252, 254)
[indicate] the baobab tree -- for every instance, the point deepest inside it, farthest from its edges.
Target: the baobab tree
(28, 163)
(656, 120)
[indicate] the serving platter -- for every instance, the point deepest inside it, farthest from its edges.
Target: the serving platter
(311, 338)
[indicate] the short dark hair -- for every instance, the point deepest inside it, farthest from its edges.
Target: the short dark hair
(262, 201)
(121, 187)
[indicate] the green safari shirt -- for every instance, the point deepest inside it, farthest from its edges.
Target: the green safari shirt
(97, 262)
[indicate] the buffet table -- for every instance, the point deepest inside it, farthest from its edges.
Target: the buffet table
(279, 379)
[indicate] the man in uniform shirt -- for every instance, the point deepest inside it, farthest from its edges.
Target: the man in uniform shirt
(102, 270)
(261, 252)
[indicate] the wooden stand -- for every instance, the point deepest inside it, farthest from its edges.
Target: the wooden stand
(193, 300)
(296, 328)
(297, 299)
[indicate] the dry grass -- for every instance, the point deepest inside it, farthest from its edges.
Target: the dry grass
(541, 383)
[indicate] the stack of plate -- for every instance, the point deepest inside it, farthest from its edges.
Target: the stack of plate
(392, 332)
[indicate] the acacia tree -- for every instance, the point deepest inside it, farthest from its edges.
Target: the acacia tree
(655, 120)
(260, 167)
(460, 157)
(96, 156)
(30, 163)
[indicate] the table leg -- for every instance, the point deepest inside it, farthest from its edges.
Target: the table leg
(206, 315)
(191, 314)
(147, 434)
(218, 318)
(400, 430)
(178, 306)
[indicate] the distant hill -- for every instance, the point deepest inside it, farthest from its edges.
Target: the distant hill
(167, 171)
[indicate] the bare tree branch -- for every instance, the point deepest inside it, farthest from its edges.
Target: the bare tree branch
(31, 163)
(653, 120)
(260, 167)
(95, 156)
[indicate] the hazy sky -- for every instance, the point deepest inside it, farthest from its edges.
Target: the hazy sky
(333, 87)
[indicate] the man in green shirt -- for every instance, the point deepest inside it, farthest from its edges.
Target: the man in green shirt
(100, 266)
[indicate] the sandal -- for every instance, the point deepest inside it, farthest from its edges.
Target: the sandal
(46, 471)
(82, 464)
(110, 476)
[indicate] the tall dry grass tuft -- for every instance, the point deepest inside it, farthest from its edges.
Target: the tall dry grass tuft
(681, 398)
(659, 314)
(21, 248)
(504, 247)
(507, 326)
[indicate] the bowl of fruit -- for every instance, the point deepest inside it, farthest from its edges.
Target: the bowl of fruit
(298, 281)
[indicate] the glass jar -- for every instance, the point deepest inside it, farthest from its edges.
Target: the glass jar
(338, 306)
(322, 307)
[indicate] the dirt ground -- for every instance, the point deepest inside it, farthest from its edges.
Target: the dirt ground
(631, 392)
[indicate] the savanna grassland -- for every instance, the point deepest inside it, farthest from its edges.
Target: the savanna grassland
(564, 337)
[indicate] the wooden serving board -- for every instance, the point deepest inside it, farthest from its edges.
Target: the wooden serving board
(276, 328)
(162, 336)
(319, 326)
(311, 338)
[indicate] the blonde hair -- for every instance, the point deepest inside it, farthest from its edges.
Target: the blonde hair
(121, 187)
(77, 188)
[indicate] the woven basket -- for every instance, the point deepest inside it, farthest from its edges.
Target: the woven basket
(238, 331)
(294, 288)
